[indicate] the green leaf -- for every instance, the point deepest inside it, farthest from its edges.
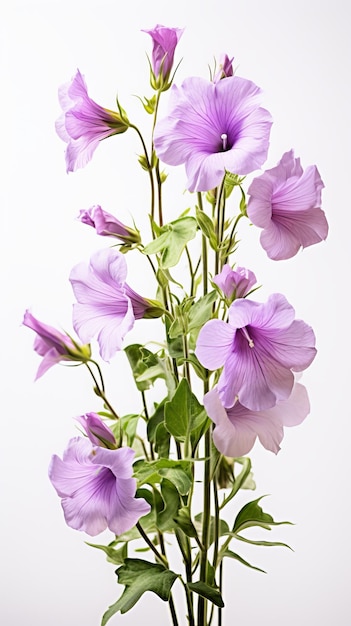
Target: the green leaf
(172, 241)
(201, 311)
(237, 557)
(170, 496)
(223, 527)
(113, 556)
(253, 542)
(207, 227)
(139, 576)
(252, 515)
(239, 481)
(152, 472)
(210, 593)
(148, 367)
(184, 414)
(140, 359)
(183, 520)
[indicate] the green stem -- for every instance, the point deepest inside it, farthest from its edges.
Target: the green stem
(146, 413)
(152, 184)
(100, 389)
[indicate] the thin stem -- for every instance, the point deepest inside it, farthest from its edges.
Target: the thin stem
(160, 557)
(100, 389)
(149, 169)
(146, 413)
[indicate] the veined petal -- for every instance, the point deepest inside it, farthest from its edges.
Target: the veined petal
(214, 344)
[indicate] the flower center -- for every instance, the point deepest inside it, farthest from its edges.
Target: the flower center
(247, 336)
(224, 138)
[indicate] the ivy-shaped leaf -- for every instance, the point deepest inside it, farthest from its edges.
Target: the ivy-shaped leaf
(139, 576)
(252, 515)
(172, 240)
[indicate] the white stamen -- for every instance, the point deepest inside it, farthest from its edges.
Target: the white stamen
(247, 336)
(224, 138)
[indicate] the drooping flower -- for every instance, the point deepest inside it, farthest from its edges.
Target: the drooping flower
(97, 488)
(98, 433)
(84, 123)
(107, 225)
(234, 283)
(225, 68)
(259, 348)
(237, 427)
(53, 345)
(107, 307)
(285, 201)
(214, 128)
(165, 41)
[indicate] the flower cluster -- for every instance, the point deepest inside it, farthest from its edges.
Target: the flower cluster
(247, 354)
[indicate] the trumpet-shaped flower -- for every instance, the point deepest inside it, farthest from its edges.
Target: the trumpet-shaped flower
(107, 307)
(53, 345)
(285, 201)
(107, 225)
(214, 128)
(237, 427)
(234, 283)
(84, 123)
(97, 488)
(259, 348)
(165, 41)
(98, 433)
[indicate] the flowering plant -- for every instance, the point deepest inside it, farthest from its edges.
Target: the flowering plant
(226, 367)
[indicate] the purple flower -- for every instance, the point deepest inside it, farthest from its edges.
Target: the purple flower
(214, 128)
(107, 307)
(97, 488)
(107, 225)
(225, 68)
(258, 348)
(84, 123)
(285, 201)
(165, 41)
(237, 428)
(234, 283)
(53, 345)
(98, 433)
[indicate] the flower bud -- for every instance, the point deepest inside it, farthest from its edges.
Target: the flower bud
(107, 225)
(165, 41)
(98, 433)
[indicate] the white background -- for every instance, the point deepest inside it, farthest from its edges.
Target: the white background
(299, 53)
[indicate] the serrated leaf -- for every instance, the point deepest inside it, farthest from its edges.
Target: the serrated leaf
(210, 593)
(140, 576)
(172, 241)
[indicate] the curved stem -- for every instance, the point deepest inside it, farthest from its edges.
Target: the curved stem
(100, 389)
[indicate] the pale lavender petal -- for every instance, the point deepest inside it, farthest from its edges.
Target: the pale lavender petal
(201, 114)
(285, 202)
(214, 343)
(97, 487)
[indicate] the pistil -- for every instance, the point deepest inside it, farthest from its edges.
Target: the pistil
(224, 138)
(247, 336)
